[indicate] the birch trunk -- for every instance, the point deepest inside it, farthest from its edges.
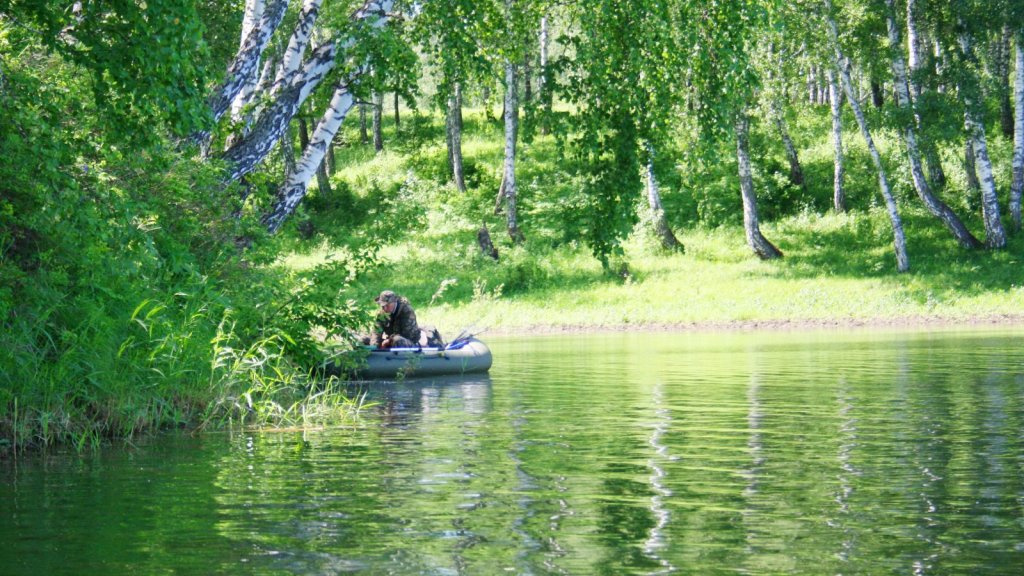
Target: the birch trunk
(899, 240)
(661, 228)
(751, 225)
(543, 89)
(378, 129)
(933, 164)
(1017, 188)
(995, 235)
(839, 172)
(796, 172)
(936, 206)
(242, 157)
(508, 182)
(291, 60)
(323, 182)
(454, 128)
(253, 15)
(242, 68)
(364, 136)
(293, 190)
(1003, 81)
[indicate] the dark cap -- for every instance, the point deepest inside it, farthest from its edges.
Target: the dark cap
(387, 296)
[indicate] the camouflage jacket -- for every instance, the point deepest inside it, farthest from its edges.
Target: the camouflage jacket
(402, 322)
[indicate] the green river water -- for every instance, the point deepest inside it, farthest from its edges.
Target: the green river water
(780, 453)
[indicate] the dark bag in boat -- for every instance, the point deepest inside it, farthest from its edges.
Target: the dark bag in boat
(430, 337)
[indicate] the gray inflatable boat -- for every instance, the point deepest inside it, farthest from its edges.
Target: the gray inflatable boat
(460, 357)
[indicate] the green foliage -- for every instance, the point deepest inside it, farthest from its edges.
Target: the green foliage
(148, 60)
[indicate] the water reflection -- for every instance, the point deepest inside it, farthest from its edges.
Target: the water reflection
(619, 454)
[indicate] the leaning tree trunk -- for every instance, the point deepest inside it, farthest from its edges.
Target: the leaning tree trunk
(293, 190)
(839, 172)
(936, 174)
(508, 191)
(378, 129)
(757, 242)
(1017, 188)
(323, 182)
(796, 172)
(899, 240)
(937, 207)
(661, 228)
(253, 14)
(242, 68)
(995, 235)
(454, 127)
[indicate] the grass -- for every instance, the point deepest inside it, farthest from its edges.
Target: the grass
(837, 269)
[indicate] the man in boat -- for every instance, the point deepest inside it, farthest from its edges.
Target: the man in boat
(396, 324)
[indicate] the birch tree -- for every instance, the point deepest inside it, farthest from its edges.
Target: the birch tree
(937, 207)
(1017, 188)
(975, 126)
(843, 66)
(838, 156)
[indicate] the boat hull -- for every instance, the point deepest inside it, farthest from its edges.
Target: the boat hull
(470, 357)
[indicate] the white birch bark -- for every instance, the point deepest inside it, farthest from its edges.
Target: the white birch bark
(253, 14)
(1017, 188)
(899, 240)
(243, 66)
(661, 228)
(378, 128)
(995, 235)
(293, 190)
(242, 157)
(291, 60)
(839, 160)
(507, 190)
(935, 206)
(455, 137)
(764, 249)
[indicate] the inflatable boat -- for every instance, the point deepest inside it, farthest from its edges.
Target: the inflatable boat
(459, 357)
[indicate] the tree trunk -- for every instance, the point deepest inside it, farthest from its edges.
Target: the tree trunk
(661, 228)
(454, 128)
(291, 61)
(751, 225)
(995, 235)
(364, 136)
(253, 14)
(322, 181)
(242, 68)
(971, 173)
(796, 172)
(332, 167)
(293, 190)
(899, 240)
(1017, 188)
(543, 88)
(378, 129)
(508, 182)
(839, 173)
(483, 239)
(877, 94)
(242, 157)
(398, 118)
(935, 206)
(936, 175)
(1002, 77)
